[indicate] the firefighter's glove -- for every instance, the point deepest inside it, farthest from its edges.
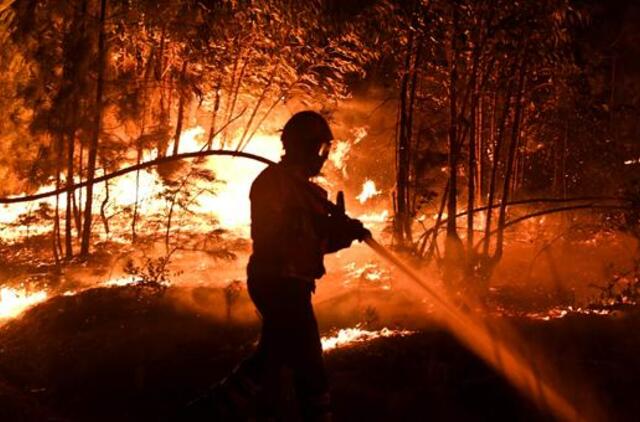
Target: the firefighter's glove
(357, 231)
(350, 229)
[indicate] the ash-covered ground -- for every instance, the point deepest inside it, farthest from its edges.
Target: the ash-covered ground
(138, 354)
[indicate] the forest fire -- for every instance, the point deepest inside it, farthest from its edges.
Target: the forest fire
(464, 172)
(227, 201)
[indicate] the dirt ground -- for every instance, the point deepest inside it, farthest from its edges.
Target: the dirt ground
(128, 354)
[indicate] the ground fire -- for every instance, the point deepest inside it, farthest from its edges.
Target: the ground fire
(269, 210)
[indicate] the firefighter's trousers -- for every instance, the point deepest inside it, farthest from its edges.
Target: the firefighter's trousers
(290, 339)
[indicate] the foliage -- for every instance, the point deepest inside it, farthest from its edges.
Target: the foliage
(509, 98)
(622, 289)
(42, 214)
(153, 273)
(228, 64)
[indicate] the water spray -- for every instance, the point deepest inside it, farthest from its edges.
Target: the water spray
(522, 373)
(482, 341)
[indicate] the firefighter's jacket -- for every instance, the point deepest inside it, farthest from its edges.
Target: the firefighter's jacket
(291, 226)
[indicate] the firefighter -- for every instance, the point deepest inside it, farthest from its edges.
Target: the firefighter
(293, 225)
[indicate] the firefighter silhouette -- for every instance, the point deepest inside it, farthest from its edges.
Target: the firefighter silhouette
(293, 225)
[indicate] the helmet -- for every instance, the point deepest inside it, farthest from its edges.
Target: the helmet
(306, 139)
(305, 132)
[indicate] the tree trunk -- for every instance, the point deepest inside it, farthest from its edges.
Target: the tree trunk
(227, 109)
(97, 123)
(59, 166)
(492, 139)
(55, 236)
(480, 146)
(403, 154)
(453, 130)
(167, 235)
(103, 207)
(234, 96)
(454, 250)
(411, 194)
(214, 116)
(141, 144)
(159, 75)
(471, 165)
(69, 180)
(434, 234)
(79, 202)
(471, 183)
(76, 215)
(135, 205)
(497, 148)
(181, 101)
(515, 136)
(263, 95)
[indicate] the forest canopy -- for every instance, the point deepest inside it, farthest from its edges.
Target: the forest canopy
(511, 100)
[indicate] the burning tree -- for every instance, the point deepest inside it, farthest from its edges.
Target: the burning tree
(89, 77)
(488, 94)
(477, 82)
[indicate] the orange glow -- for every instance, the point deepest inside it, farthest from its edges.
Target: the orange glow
(14, 302)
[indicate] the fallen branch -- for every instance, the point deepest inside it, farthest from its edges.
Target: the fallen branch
(141, 166)
(528, 202)
(556, 210)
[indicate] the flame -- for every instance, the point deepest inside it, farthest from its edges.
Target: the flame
(339, 153)
(558, 313)
(359, 133)
(375, 217)
(369, 190)
(230, 203)
(341, 149)
(346, 337)
(120, 281)
(15, 301)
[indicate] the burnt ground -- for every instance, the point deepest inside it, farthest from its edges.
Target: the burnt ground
(129, 354)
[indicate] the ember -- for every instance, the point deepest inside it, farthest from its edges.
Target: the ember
(369, 274)
(346, 337)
